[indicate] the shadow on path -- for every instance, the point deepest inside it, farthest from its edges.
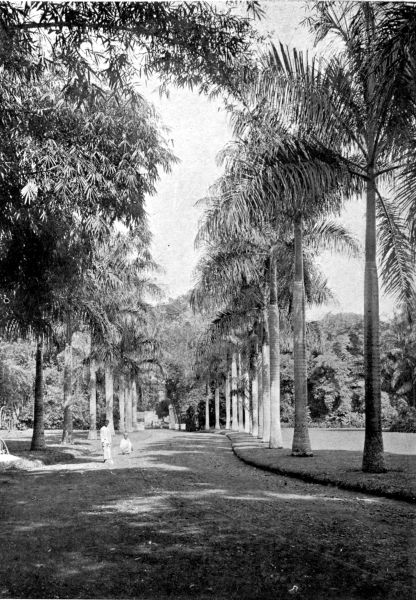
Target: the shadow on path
(183, 518)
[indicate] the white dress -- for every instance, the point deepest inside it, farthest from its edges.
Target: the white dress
(105, 436)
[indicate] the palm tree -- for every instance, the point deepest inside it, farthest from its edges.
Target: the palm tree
(352, 104)
(260, 168)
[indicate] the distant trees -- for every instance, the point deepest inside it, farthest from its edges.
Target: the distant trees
(177, 330)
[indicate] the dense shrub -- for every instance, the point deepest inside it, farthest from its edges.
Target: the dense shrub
(405, 420)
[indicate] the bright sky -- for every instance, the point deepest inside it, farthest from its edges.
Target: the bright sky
(198, 128)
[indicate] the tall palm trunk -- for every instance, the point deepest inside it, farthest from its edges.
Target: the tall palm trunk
(234, 399)
(38, 437)
(246, 399)
(240, 395)
(121, 403)
(227, 398)
(373, 457)
(275, 428)
(67, 431)
(266, 378)
(128, 404)
(134, 404)
(207, 401)
(255, 390)
(109, 399)
(301, 445)
(260, 389)
(217, 406)
(92, 434)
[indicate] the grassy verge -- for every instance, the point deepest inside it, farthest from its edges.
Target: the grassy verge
(341, 468)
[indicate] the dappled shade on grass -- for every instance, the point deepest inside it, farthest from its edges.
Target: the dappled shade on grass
(170, 522)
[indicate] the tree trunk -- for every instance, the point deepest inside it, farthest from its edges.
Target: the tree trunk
(240, 395)
(266, 379)
(373, 457)
(217, 406)
(109, 385)
(227, 399)
(38, 437)
(128, 405)
(255, 392)
(67, 431)
(207, 399)
(134, 404)
(246, 399)
(92, 434)
(234, 399)
(275, 428)
(301, 445)
(260, 390)
(121, 403)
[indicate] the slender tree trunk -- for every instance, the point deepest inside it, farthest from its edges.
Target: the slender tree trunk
(92, 434)
(228, 398)
(266, 379)
(373, 457)
(207, 400)
(246, 398)
(260, 390)
(109, 399)
(275, 428)
(217, 406)
(234, 399)
(240, 395)
(250, 402)
(255, 392)
(128, 404)
(301, 445)
(134, 404)
(38, 437)
(121, 403)
(67, 430)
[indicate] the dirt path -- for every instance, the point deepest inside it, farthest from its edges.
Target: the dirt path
(184, 518)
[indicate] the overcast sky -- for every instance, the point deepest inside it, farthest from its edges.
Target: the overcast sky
(198, 128)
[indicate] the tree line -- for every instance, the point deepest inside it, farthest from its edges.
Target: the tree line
(80, 151)
(311, 131)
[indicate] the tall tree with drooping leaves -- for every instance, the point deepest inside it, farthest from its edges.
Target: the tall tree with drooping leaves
(349, 100)
(268, 175)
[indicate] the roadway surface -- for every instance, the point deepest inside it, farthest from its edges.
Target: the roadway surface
(183, 518)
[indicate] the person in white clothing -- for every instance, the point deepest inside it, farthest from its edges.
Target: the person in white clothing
(126, 445)
(105, 436)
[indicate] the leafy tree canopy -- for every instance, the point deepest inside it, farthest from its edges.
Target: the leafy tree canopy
(186, 43)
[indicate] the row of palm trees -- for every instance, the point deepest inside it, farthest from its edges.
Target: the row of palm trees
(310, 134)
(110, 307)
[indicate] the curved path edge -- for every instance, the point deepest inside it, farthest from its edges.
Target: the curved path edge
(243, 451)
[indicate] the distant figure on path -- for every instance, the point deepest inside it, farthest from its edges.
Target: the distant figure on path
(105, 436)
(126, 445)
